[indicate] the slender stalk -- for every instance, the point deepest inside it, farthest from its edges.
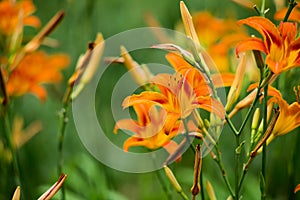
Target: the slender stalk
(262, 83)
(262, 10)
(264, 153)
(183, 195)
(163, 185)
(63, 120)
(201, 183)
(13, 151)
(237, 165)
(231, 125)
(219, 161)
(292, 5)
(262, 141)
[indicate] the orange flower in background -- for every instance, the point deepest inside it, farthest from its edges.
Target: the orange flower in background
(154, 128)
(280, 44)
(218, 37)
(35, 69)
(294, 16)
(14, 14)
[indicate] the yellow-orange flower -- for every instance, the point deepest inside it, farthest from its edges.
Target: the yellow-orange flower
(35, 69)
(16, 13)
(280, 45)
(154, 128)
(289, 117)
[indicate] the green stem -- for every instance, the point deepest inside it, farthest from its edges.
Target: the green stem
(292, 5)
(201, 184)
(12, 148)
(262, 83)
(293, 167)
(264, 152)
(262, 10)
(163, 185)
(183, 195)
(231, 125)
(63, 120)
(237, 163)
(219, 161)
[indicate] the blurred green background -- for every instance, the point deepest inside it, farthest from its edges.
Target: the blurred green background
(88, 178)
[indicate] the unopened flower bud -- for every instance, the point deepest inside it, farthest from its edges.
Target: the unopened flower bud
(210, 191)
(140, 74)
(236, 87)
(255, 119)
(172, 179)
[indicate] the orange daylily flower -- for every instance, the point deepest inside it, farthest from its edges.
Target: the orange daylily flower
(289, 117)
(182, 66)
(16, 13)
(35, 69)
(178, 96)
(279, 44)
(154, 127)
(184, 91)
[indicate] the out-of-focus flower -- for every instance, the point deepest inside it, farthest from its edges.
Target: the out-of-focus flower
(294, 15)
(279, 44)
(21, 135)
(297, 188)
(16, 13)
(35, 69)
(215, 35)
(245, 3)
(218, 37)
(154, 127)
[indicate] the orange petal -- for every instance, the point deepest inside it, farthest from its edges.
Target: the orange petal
(266, 28)
(145, 97)
(134, 141)
(32, 21)
(250, 44)
(222, 80)
(127, 124)
(39, 91)
(177, 61)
